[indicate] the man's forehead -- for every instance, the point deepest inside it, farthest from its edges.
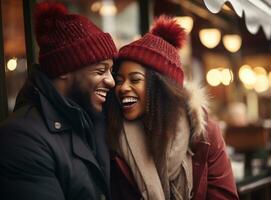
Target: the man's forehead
(107, 63)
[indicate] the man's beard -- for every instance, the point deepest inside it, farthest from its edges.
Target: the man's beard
(79, 96)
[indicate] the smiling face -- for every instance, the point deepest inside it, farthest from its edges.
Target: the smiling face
(131, 89)
(91, 84)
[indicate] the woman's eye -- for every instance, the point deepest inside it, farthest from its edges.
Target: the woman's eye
(136, 80)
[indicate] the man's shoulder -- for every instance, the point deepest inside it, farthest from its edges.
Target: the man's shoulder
(25, 120)
(24, 113)
(24, 147)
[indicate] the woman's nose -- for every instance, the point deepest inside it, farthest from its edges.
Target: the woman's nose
(125, 86)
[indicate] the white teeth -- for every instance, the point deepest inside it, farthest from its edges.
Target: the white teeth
(101, 93)
(129, 100)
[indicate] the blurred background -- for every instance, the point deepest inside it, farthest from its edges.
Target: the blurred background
(228, 51)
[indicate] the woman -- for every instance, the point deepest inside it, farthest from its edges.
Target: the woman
(164, 145)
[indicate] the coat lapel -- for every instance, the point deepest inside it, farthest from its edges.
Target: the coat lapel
(81, 150)
(199, 163)
(102, 150)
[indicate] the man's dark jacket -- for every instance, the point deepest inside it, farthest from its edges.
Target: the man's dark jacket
(45, 156)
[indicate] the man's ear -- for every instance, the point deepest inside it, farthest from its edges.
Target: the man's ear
(65, 76)
(67, 79)
(63, 83)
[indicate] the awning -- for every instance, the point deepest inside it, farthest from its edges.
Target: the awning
(256, 13)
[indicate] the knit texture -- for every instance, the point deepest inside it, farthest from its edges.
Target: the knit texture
(156, 49)
(68, 42)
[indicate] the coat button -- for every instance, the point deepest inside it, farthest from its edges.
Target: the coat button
(57, 125)
(102, 197)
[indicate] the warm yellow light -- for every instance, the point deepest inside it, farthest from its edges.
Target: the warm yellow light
(214, 77)
(260, 71)
(108, 9)
(96, 6)
(269, 77)
(225, 7)
(210, 37)
(232, 42)
(227, 76)
(248, 87)
(262, 83)
(12, 64)
(186, 22)
(247, 75)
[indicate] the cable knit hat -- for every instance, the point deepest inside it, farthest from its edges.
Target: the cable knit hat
(68, 42)
(158, 49)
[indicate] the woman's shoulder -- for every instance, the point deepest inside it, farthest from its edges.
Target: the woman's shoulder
(211, 136)
(213, 132)
(214, 138)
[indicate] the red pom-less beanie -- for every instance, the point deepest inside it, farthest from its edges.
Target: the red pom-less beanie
(68, 42)
(158, 49)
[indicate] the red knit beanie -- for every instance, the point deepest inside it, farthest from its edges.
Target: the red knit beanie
(68, 42)
(158, 49)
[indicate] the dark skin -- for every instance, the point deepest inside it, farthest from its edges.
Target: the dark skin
(87, 86)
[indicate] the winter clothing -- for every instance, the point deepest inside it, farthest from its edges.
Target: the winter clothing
(212, 174)
(176, 166)
(51, 148)
(158, 49)
(47, 148)
(193, 163)
(68, 42)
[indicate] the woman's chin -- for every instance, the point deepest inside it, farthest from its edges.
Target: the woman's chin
(131, 116)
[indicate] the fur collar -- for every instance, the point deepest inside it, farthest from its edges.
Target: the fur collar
(197, 107)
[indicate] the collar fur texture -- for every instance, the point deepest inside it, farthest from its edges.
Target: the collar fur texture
(197, 107)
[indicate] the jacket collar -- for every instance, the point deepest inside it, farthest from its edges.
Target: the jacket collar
(101, 168)
(54, 121)
(201, 150)
(56, 124)
(197, 107)
(197, 104)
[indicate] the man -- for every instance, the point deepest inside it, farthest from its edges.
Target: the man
(53, 146)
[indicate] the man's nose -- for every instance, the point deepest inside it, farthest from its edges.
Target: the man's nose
(109, 80)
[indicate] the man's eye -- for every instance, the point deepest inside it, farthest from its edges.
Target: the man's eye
(100, 72)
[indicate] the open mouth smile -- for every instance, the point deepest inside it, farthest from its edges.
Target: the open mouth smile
(128, 102)
(101, 93)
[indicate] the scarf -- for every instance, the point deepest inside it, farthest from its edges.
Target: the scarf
(168, 178)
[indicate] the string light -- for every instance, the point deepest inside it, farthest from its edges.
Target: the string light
(210, 37)
(12, 64)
